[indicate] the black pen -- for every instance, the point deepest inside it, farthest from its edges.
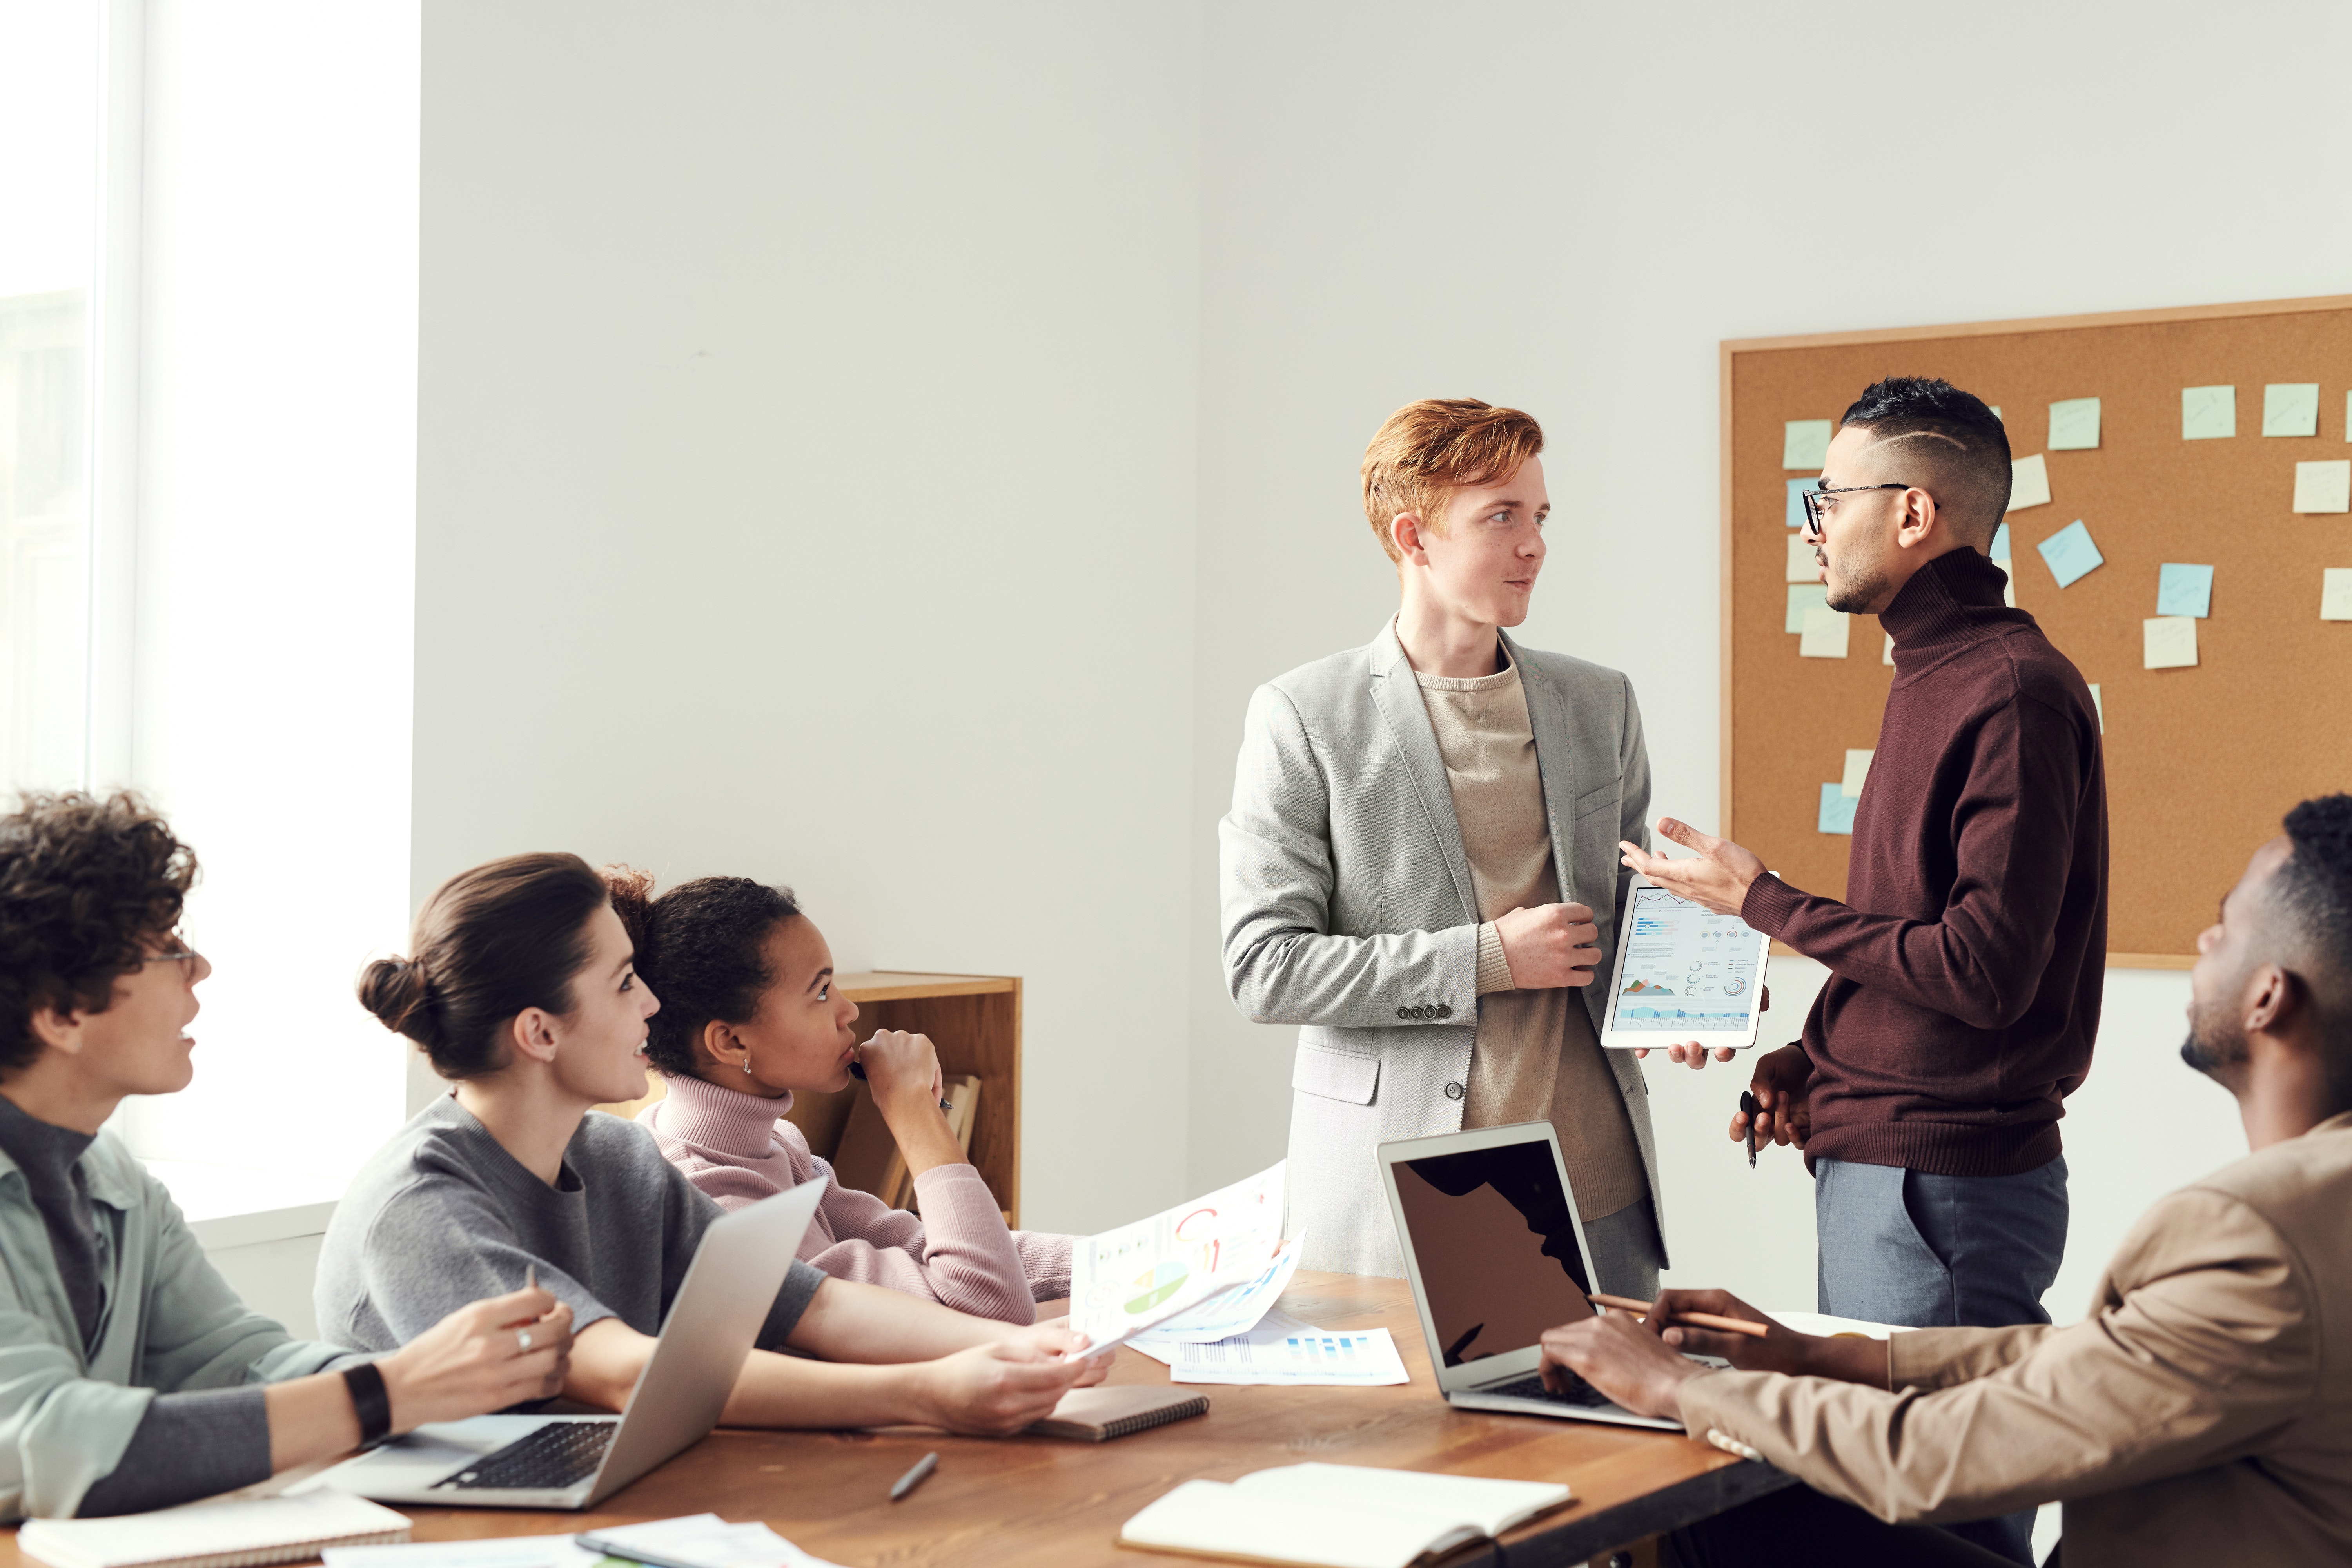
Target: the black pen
(914, 1478)
(1748, 1103)
(858, 1070)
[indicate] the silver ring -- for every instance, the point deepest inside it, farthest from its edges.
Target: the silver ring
(522, 1337)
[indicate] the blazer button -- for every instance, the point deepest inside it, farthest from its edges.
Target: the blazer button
(1404, 1012)
(1453, 1091)
(1445, 1010)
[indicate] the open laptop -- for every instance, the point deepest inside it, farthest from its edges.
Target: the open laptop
(1495, 1251)
(577, 1461)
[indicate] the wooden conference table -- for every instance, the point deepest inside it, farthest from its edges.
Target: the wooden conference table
(1035, 1500)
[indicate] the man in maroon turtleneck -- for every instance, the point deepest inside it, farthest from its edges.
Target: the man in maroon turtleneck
(1967, 961)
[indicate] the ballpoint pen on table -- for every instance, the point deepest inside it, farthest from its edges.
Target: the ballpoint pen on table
(914, 1478)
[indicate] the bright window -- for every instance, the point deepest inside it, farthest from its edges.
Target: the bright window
(50, 184)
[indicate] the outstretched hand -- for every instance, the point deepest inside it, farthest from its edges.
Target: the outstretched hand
(1718, 880)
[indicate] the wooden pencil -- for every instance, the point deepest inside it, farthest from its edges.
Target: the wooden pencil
(1693, 1319)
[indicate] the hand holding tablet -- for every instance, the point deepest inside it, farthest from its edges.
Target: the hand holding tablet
(1686, 975)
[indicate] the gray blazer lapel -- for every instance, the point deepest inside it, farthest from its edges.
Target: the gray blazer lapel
(1556, 761)
(1397, 696)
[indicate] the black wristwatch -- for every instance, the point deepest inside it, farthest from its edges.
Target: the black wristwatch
(370, 1401)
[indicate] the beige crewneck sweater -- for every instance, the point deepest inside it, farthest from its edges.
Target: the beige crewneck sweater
(1537, 1058)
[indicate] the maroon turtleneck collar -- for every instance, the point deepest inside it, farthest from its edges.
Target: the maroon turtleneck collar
(1955, 598)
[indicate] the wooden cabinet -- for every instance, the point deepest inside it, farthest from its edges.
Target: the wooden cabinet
(975, 1022)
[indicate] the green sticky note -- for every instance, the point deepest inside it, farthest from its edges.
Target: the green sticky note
(1803, 597)
(2074, 425)
(1797, 488)
(1837, 809)
(2208, 413)
(2290, 408)
(1996, 411)
(1804, 443)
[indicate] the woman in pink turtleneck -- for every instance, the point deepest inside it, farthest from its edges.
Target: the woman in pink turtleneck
(749, 1015)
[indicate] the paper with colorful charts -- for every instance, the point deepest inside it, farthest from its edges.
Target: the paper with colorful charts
(1208, 1264)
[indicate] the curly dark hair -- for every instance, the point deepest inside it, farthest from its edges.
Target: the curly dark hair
(2313, 890)
(701, 948)
(86, 885)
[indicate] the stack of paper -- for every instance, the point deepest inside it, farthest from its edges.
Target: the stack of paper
(243, 1531)
(1282, 1349)
(701, 1541)
(1338, 1516)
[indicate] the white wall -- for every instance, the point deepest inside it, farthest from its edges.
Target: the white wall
(1566, 207)
(806, 492)
(276, 492)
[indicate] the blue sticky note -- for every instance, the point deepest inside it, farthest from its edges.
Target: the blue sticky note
(2070, 553)
(1796, 507)
(1999, 550)
(2184, 590)
(1837, 809)
(1803, 597)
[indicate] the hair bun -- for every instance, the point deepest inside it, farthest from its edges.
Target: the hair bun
(632, 894)
(396, 991)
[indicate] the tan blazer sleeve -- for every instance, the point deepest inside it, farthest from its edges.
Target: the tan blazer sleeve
(1939, 1358)
(2201, 1348)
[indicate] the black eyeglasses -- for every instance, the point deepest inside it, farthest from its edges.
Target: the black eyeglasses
(1815, 509)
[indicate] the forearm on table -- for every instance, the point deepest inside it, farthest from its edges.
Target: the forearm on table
(787, 1391)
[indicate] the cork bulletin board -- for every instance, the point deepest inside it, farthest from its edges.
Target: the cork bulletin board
(2202, 761)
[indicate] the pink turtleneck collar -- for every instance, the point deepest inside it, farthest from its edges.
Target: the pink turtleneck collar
(725, 1121)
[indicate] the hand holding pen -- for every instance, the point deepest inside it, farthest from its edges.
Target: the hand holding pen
(900, 1056)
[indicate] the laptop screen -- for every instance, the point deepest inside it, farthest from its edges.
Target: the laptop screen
(1497, 1247)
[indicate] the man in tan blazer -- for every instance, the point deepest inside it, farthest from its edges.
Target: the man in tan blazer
(2202, 1414)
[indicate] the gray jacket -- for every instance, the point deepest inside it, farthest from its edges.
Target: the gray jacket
(1347, 908)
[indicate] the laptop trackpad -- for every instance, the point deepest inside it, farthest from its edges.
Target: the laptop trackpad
(415, 1462)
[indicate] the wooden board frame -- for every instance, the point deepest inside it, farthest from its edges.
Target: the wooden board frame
(1732, 348)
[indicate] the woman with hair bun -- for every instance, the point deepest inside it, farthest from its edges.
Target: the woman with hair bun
(131, 1376)
(749, 1015)
(521, 986)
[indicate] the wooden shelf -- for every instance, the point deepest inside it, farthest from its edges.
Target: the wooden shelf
(974, 1020)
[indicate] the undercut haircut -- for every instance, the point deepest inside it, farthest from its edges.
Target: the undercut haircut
(2311, 897)
(1931, 434)
(86, 887)
(1426, 451)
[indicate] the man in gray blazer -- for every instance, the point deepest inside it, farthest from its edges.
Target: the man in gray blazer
(1421, 865)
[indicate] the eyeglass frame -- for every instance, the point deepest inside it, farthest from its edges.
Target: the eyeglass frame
(184, 954)
(1814, 524)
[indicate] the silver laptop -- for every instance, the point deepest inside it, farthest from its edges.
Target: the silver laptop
(1495, 1251)
(577, 1461)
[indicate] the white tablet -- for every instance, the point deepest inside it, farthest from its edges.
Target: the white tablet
(1684, 973)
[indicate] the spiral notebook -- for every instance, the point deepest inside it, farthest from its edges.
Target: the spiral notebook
(1098, 1415)
(241, 1533)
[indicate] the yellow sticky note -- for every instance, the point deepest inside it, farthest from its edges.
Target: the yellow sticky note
(2099, 705)
(2208, 413)
(1825, 633)
(2074, 425)
(1803, 566)
(1888, 656)
(2007, 589)
(1857, 768)
(2168, 642)
(1804, 444)
(2290, 408)
(1996, 410)
(2336, 593)
(2029, 482)
(2322, 487)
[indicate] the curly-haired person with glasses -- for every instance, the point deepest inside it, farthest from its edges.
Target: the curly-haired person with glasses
(131, 1376)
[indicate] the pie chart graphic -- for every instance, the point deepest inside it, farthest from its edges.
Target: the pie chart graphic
(1156, 1287)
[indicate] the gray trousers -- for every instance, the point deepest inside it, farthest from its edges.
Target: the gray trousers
(1626, 1251)
(1928, 1251)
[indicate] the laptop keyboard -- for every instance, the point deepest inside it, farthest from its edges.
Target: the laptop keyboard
(1578, 1391)
(556, 1456)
